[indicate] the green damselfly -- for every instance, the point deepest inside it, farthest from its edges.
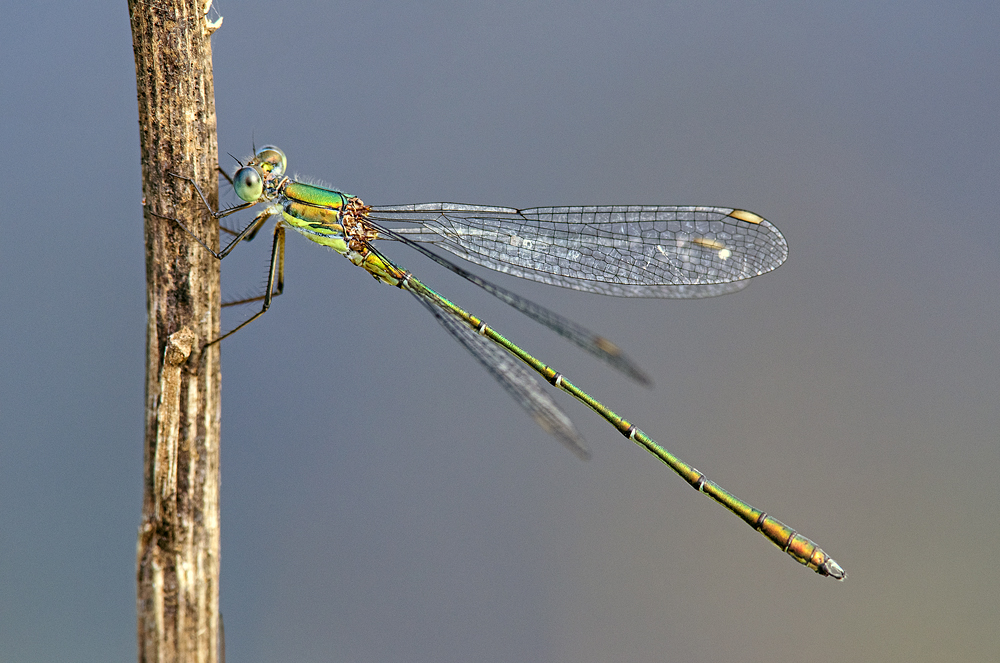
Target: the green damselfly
(629, 251)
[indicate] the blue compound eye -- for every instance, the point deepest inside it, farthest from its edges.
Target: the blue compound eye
(249, 183)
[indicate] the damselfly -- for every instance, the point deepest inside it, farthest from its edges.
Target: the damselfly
(623, 250)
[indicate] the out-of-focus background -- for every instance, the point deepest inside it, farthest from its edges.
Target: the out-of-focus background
(383, 499)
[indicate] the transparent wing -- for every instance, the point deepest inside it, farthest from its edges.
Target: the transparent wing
(512, 375)
(595, 344)
(621, 250)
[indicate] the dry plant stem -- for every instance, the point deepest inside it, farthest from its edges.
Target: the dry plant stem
(178, 547)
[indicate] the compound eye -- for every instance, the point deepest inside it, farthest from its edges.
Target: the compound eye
(249, 184)
(271, 160)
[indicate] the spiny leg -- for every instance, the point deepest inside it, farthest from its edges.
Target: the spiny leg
(276, 272)
(222, 171)
(275, 285)
(251, 228)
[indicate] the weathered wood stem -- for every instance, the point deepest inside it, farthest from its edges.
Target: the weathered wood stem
(178, 548)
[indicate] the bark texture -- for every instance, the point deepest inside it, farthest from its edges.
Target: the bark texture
(178, 547)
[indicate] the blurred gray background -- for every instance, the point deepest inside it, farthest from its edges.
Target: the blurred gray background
(383, 499)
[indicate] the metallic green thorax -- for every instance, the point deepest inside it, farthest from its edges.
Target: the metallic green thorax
(321, 214)
(315, 196)
(320, 224)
